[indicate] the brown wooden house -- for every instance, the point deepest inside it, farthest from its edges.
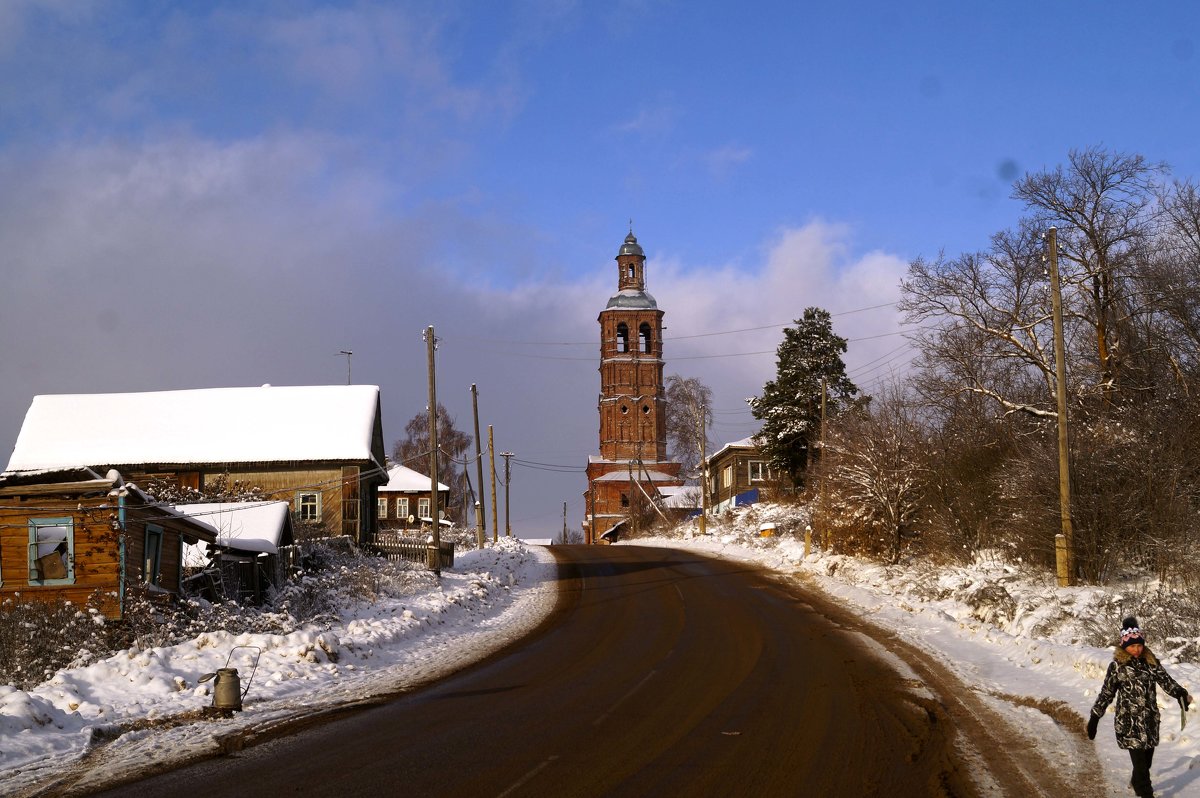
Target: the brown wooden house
(71, 534)
(404, 504)
(320, 448)
(737, 474)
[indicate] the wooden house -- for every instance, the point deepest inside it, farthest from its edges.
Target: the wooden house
(737, 474)
(404, 503)
(71, 534)
(319, 448)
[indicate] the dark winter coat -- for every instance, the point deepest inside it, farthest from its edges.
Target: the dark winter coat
(1131, 681)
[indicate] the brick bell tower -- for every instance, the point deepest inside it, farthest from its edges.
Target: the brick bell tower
(632, 464)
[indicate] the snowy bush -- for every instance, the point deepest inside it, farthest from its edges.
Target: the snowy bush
(37, 638)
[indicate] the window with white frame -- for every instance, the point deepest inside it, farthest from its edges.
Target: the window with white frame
(727, 476)
(402, 507)
(382, 503)
(423, 507)
(758, 471)
(51, 551)
(308, 506)
(152, 555)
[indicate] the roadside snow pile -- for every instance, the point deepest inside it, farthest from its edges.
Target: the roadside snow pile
(402, 638)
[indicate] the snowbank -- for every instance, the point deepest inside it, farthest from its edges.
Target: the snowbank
(140, 699)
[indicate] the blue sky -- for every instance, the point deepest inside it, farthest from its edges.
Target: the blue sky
(197, 195)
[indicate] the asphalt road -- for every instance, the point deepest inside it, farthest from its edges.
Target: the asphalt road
(661, 673)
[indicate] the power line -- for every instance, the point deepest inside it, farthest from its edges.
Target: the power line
(671, 338)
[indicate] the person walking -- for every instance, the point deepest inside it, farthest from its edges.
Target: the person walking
(1130, 679)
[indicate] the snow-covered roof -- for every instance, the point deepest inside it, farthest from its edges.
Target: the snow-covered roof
(638, 476)
(680, 497)
(744, 443)
(405, 480)
(210, 425)
(249, 526)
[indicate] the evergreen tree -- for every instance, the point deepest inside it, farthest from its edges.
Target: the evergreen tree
(790, 405)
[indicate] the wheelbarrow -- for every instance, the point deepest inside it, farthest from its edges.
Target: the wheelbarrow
(227, 690)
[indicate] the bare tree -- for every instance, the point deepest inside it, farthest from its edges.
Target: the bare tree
(984, 324)
(689, 416)
(1104, 204)
(875, 481)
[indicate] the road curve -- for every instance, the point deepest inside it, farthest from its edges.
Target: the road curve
(662, 673)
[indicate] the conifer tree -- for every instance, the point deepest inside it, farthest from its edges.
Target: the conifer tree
(790, 405)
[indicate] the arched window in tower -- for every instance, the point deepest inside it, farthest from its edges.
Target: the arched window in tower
(645, 338)
(632, 272)
(622, 337)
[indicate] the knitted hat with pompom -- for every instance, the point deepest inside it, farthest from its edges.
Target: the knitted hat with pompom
(1130, 633)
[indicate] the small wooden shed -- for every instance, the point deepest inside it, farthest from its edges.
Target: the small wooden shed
(244, 563)
(72, 534)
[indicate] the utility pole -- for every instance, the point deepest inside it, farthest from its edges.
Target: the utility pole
(1064, 545)
(824, 476)
(632, 515)
(703, 474)
(480, 524)
(492, 457)
(591, 530)
(435, 544)
(564, 523)
(348, 355)
(507, 480)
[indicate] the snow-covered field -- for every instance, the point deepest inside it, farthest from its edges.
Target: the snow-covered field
(1014, 638)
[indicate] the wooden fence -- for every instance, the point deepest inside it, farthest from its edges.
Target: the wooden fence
(412, 550)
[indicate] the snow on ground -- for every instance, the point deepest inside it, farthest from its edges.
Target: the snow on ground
(1020, 646)
(150, 700)
(1015, 638)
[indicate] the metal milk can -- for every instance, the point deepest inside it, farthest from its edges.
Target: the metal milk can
(227, 689)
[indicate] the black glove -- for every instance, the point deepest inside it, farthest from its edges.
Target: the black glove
(1093, 722)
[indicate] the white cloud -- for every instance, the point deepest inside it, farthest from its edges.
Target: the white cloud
(723, 160)
(654, 121)
(183, 262)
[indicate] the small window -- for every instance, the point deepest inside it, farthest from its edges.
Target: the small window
(632, 271)
(758, 471)
(622, 337)
(645, 338)
(423, 507)
(51, 551)
(402, 508)
(727, 476)
(152, 555)
(624, 499)
(381, 503)
(308, 506)
(645, 410)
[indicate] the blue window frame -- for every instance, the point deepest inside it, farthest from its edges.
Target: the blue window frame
(152, 555)
(51, 551)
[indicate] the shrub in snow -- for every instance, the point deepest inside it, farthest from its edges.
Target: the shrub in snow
(37, 638)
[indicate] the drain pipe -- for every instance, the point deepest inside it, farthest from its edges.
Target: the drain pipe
(121, 554)
(119, 493)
